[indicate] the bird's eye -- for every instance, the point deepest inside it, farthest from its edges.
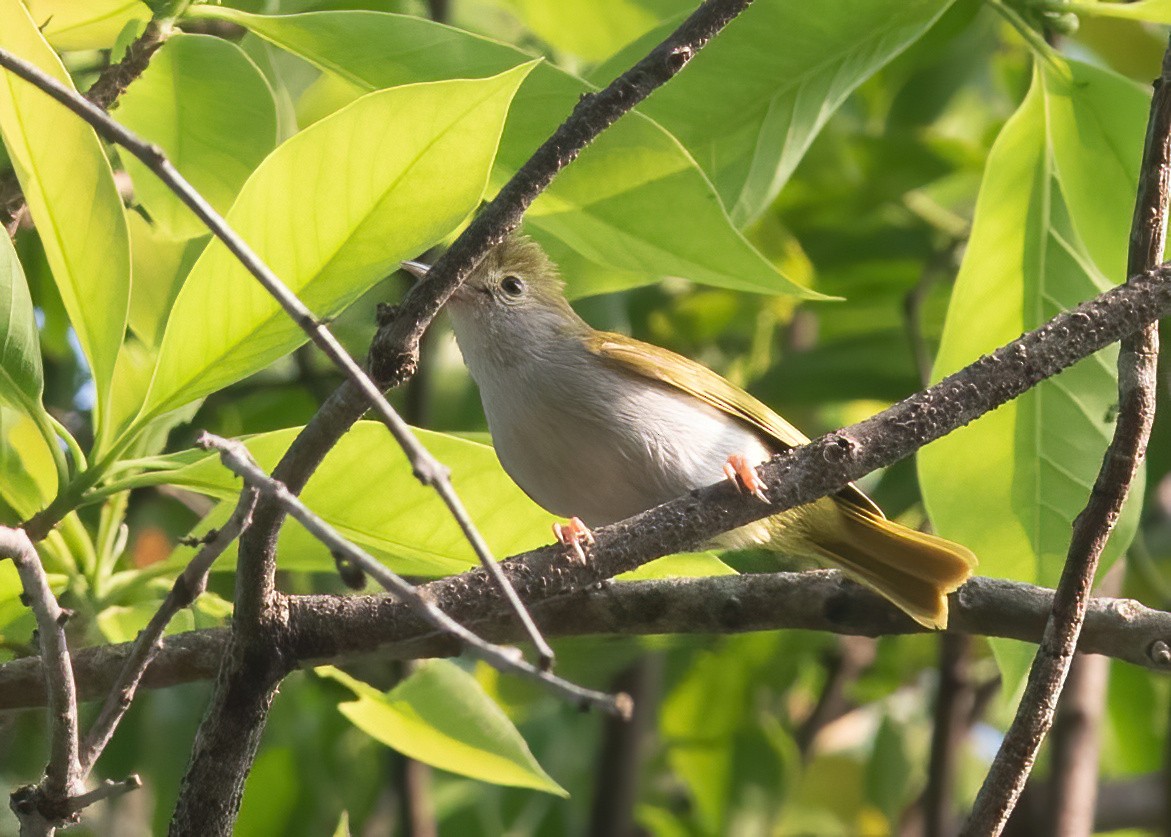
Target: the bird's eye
(512, 285)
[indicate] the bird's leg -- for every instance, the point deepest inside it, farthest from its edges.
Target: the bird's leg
(572, 534)
(742, 475)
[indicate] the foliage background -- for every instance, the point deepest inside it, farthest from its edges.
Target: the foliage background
(937, 165)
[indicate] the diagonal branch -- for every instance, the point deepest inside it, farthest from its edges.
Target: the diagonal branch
(186, 589)
(1137, 362)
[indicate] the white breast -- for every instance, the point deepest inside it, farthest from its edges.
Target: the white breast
(609, 450)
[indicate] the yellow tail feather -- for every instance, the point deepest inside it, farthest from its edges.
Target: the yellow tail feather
(913, 570)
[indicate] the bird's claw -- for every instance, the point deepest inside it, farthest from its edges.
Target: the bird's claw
(573, 533)
(742, 475)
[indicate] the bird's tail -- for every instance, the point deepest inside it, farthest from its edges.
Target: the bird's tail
(914, 570)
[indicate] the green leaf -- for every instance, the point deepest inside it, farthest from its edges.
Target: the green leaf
(92, 24)
(635, 203)
(750, 103)
(1045, 237)
(21, 378)
(593, 29)
(398, 170)
(29, 473)
(209, 108)
(160, 266)
(70, 190)
(1152, 11)
(441, 716)
(397, 518)
(691, 565)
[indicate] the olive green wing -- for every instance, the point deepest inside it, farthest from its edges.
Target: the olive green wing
(667, 367)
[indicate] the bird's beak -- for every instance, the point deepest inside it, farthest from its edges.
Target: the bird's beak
(416, 269)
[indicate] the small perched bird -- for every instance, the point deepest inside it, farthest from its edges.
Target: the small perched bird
(597, 427)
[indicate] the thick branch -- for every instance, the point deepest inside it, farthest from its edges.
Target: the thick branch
(333, 628)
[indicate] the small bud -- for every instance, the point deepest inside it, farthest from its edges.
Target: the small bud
(351, 574)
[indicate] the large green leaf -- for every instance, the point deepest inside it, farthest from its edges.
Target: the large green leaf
(1050, 231)
(91, 24)
(748, 106)
(394, 516)
(440, 715)
(385, 178)
(634, 202)
(70, 190)
(209, 108)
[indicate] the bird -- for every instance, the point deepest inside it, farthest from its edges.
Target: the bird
(596, 427)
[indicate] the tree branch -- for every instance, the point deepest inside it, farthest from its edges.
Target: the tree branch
(187, 588)
(337, 628)
(1137, 362)
(42, 808)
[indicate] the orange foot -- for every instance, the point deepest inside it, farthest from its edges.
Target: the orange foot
(744, 476)
(572, 534)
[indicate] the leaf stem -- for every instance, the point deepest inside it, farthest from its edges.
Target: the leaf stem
(1031, 36)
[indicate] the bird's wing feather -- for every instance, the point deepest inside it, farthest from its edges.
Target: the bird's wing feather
(674, 370)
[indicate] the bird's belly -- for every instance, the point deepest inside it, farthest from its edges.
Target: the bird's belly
(604, 460)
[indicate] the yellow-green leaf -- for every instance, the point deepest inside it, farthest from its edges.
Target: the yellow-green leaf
(1046, 236)
(85, 24)
(332, 210)
(440, 715)
(1151, 11)
(21, 381)
(632, 208)
(70, 190)
(205, 103)
(395, 517)
(748, 106)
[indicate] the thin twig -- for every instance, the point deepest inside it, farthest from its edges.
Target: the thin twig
(187, 588)
(1137, 361)
(43, 808)
(426, 468)
(236, 458)
(106, 790)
